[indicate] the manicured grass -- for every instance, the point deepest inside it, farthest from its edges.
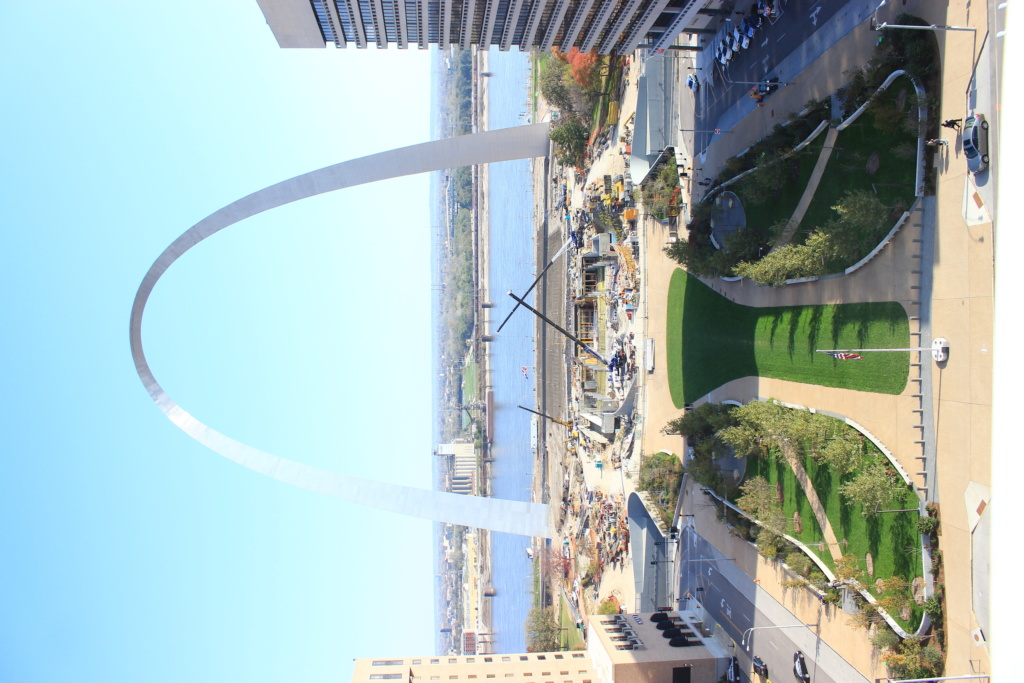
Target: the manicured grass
(891, 538)
(893, 181)
(469, 387)
(795, 500)
(797, 170)
(711, 340)
(570, 637)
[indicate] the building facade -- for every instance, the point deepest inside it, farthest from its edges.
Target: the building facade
(621, 648)
(601, 26)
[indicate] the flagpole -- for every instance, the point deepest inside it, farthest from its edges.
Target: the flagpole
(919, 348)
(939, 349)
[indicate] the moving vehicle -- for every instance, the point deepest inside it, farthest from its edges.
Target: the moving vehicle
(760, 667)
(800, 669)
(976, 143)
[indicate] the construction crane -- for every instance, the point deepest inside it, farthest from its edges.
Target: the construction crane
(553, 419)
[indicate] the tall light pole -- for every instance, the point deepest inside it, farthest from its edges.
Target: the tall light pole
(933, 27)
(745, 643)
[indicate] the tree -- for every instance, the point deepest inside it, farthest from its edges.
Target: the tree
(848, 567)
(875, 485)
(861, 216)
(704, 420)
(767, 428)
(583, 66)
(542, 631)
(769, 543)
(785, 263)
(703, 466)
(885, 638)
(843, 452)
(661, 189)
(553, 85)
(895, 594)
(571, 137)
(760, 500)
(661, 475)
(910, 660)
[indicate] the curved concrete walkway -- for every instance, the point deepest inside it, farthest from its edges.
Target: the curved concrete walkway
(812, 187)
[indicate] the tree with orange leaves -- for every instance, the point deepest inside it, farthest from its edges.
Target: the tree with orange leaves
(583, 66)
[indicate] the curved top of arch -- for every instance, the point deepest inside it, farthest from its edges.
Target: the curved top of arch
(528, 519)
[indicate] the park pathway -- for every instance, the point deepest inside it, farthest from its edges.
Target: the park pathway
(816, 507)
(812, 187)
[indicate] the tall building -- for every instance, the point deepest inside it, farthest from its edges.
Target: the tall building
(602, 26)
(620, 649)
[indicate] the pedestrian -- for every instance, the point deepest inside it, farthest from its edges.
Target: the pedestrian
(951, 123)
(937, 142)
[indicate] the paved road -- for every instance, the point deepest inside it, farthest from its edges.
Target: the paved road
(775, 40)
(731, 599)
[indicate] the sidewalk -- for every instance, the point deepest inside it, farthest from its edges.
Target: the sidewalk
(784, 605)
(959, 272)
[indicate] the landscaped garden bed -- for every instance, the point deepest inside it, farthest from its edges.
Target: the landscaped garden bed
(875, 540)
(870, 179)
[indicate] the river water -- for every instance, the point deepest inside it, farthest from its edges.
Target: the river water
(512, 267)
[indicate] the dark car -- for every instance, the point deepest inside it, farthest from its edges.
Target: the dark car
(976, 143)
(732, 674)
(760, 668)
(800, 667)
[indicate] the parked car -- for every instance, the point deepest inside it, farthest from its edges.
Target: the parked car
(800, 669)
(732, 674)
(976, 143)
(760, 668)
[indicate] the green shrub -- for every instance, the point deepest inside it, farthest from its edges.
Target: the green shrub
(933, 607)
(927, 525)
(885, 638)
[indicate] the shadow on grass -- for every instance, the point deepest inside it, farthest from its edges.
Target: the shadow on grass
(814, 329)
(874, 527)
(711, 341)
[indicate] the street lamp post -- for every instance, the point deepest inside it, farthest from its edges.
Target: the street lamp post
(875, 26)
(745, 642)
(716, 131)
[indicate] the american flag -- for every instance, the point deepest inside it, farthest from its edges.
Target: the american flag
(846, 356)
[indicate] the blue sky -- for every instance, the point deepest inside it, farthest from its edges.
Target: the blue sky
(130, 552)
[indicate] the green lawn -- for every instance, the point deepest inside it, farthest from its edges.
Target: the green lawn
(765, 213)
(711, 340)
(794, 501)
(570, 636)
(891, 538)
(469, 386)
(848, 167)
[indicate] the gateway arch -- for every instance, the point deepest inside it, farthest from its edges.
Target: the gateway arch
(523, 142)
